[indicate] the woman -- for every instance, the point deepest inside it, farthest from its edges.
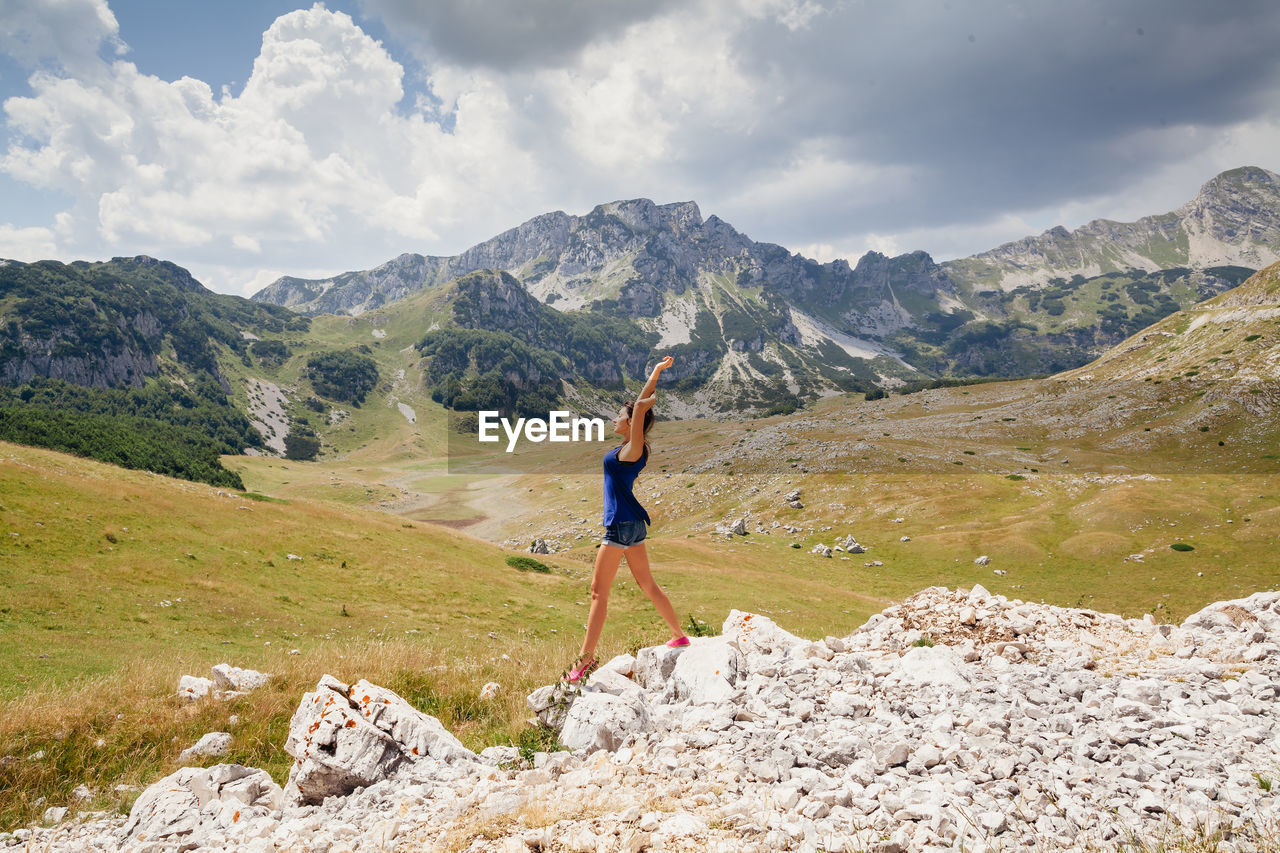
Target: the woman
(624, 526)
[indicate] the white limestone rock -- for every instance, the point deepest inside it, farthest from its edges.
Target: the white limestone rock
(211, 744)
(173, 811)
(193, 687)
(851, 545)
(228, 677)
(345, 737)
(758, 636)
(936, 666)
(623, 664)
(860, 742)
(551, 702)
(654, 665)
(613, 682)
(604, 721)
(707, 672)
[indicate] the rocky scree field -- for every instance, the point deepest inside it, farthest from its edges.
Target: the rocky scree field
(955, 720)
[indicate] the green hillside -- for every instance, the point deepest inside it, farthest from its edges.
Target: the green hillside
(123, 361)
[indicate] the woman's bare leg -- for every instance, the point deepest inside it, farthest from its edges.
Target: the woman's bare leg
(608, 557)
(638, 562)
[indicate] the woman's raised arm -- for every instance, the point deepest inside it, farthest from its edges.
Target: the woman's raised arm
(651, 384)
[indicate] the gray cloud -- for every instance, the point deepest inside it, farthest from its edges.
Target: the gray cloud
(933, 125)
(992, 107)
(509, 34)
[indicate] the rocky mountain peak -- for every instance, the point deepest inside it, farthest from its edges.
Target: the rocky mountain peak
(1243, 178)
(1233, 221)
(641, 214)
(1248, 187)
(180, 277)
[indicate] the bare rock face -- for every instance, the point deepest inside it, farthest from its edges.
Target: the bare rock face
(707, 671)
(655, 664)
(346, 737)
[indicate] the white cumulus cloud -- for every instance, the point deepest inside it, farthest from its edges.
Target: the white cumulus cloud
(312, 157)
(69, 33)
(27, 244)
(825, 124)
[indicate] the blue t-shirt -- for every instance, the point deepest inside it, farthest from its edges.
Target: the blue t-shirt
(619, 503)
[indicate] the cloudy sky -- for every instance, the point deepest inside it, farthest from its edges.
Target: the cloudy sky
(246, 139)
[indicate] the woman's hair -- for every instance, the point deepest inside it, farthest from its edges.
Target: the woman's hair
(648, 421)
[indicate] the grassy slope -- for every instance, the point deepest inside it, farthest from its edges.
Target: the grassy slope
(94, 627)
(1060, 537)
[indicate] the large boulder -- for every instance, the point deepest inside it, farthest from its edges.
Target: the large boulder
(346, 737)
(614, 682)
(182, 808)
(551, 702)
(707, 672)
(655, 664)
(599, 720)
(759, 636)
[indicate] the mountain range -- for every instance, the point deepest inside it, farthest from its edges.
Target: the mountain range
(740, 314)
(105, 358)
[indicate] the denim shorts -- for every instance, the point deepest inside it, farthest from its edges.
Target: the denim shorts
(624, 534)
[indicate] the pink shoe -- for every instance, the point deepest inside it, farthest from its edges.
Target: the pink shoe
(582, 668)
(678, 642)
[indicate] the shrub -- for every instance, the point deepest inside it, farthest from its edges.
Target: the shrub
(528, 564)
(301, 447)
(129, 442)
(344, 376)
(923, 642)
(698, 628)
(535, 739)
(269, 353)
(1182, 546)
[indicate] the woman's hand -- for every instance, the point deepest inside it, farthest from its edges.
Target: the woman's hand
(651, 384)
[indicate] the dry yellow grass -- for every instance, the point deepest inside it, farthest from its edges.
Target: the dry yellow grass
(128, 728)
